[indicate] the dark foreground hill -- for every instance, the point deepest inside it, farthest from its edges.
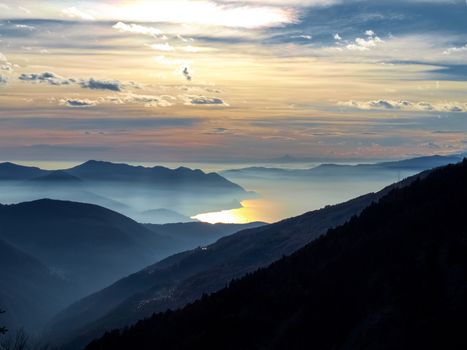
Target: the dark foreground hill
(28, 289)
(393, 278)
(85, 244)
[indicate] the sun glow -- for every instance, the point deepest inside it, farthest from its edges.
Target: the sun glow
(224, 216)
(192, 12)
(252, 210)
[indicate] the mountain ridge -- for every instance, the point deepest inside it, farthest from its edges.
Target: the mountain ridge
(393, 277)
(181, 279)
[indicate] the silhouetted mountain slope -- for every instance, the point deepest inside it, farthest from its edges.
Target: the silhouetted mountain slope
(14, 172)
(393, 278)
(178, 280)
(28, 289)
(86, 244)
(195, 234)
(57, 176)
(163, 216)
(105, 171)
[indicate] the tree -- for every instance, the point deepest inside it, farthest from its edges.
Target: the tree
(3, 329)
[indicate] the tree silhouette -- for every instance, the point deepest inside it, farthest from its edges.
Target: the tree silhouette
(3, 329)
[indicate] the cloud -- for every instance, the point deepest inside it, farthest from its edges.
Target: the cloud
(5, 65)
(138, 29)
(302, 36)
(452, 50)
(403, 105)
(187, 74)
(235, 15)
(203, 100)
(189, 48)
(25, 26)
(95, 84)
(77, 103)
(91, 83)
(46, 77)
(365, 44)
(147, 100)
(74, 12)
(162, 47)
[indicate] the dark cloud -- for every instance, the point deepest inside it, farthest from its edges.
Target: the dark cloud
(78, 103)
(95, 84)
(3, 80)
(202, 100)
(402, 105)
(46, 77)
(91, 83)
(187, 74)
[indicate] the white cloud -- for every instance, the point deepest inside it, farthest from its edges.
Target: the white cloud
(74, 12)
(452, 50)
(146, 100)
(25, 26)
(138, 29)
(5, 65)
(190, 48)
(162, 47)
(302, 36)
(365, 44)
(202, 12)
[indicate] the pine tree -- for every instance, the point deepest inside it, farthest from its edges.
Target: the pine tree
(3, 329)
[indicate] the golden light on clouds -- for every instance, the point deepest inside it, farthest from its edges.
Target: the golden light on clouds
(204, 13)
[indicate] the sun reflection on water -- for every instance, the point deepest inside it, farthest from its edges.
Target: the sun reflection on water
(252, 210)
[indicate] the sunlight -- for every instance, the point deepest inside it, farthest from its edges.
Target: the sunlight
(252, 210)
(224, 217)
(198, 13)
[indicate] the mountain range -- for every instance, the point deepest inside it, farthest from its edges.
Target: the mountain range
(183, 278)
(55, 252)
(329, 171)
(393, 277)
(141, 193)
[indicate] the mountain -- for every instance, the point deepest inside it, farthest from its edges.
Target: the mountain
(195, 234)
(181, 177)
(184, 277)
(132, 190)
(401, 168)
(14, 172)
(395, 277)
(29, 291)
(55, 252)
(88, 245)
(163, 216)
(58, 176)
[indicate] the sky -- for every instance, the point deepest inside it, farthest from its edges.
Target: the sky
(231, 80)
